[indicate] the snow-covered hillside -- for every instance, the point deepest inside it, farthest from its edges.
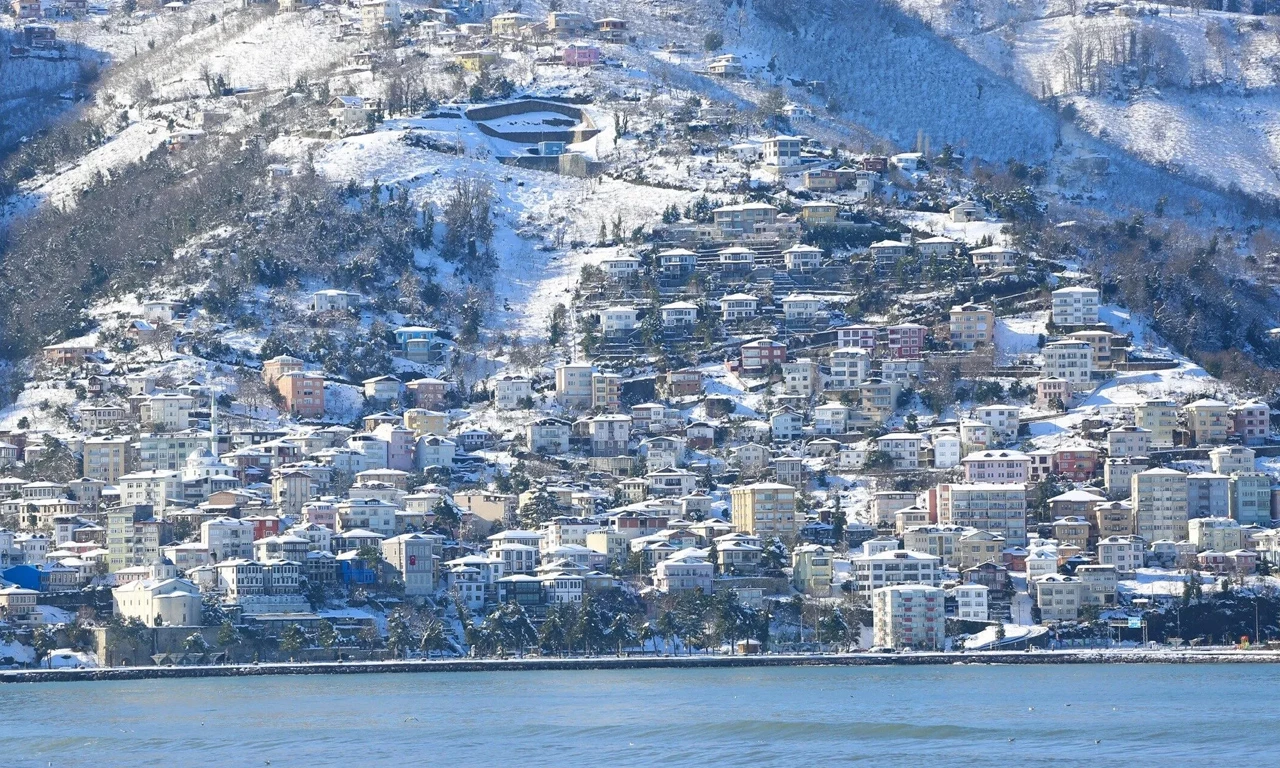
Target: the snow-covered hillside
(1191, 91)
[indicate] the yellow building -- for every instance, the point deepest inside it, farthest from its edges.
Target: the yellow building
(1159, 416)
(812, 569)
(971, 324)
(819, 214)
(1209, 421)
(107, 458)
(764, 509)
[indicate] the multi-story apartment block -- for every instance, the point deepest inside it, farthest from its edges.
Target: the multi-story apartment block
(999, 508)
(909, 617)
(1075, 306)
(107, 458)
(1159, 499)
(1159, 416)
(1209, 421)
(972, 325)
(764, 509)
(573, 384)
(1069, 360)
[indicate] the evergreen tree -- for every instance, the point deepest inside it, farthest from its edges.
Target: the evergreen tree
(291, 640)
(399, 638)
(838, 522)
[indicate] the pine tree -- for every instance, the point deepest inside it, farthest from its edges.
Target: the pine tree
(838, 523)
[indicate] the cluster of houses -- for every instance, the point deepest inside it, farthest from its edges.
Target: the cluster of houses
(787, 453)
(655, 482)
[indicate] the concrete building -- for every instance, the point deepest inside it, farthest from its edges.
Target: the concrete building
(812, 569)
(1125, 553)
(1251, 498)
(850, 366)
(1003, 420)
(1069, 360)
(1099, 584)
(412, 557)
(1221, 534)
(678, 574)
(1209, 421)
(1229, 459)
(894, 566)
(1075, 306)
(573, 385)
(972, 325)
(909, 617)
(303, 393)
(510, 392)
(1252, 422)
(1059, 597)
(1159, 416)
(971, 602)
(1159, 499)
(107, 458)
(1208, 495)
(1000, 508)
(1129, 440)
(764, 509)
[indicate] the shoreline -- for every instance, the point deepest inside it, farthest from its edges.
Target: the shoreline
(647, 662)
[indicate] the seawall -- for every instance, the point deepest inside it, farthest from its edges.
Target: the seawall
(645, 662)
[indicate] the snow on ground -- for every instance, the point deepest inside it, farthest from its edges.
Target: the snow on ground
(1224, 133)
(970, 232)
(1019, 335)
(532, 207)
(12, 649)
(1158, 582)
(986, 639)
(1186, 381)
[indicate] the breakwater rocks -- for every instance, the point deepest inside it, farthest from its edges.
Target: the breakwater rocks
(643, 662)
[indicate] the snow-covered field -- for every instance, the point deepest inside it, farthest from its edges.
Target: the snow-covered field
(1201, 104)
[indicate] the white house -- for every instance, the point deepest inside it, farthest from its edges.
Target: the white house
(802, 257)
(802, 306)
(619, 321)
(509, 390)
(678, 314)
(332, 299)
(850, 367)
(738, 306)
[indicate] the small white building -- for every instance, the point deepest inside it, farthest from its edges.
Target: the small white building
(619, 321)
(971, 602)
(679, 314)
(509, 391)
(738, 306)
(334, 300)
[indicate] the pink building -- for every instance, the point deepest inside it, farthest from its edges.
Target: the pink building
(401, 444)
(321, 513)
(762, 354)
(996, 467)
(581, 55)
(1252, 422)
(1078, 464)
(906, 340)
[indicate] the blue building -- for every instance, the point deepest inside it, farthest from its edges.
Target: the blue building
(27, 577)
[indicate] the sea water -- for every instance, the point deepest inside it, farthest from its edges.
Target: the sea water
(1098, 715)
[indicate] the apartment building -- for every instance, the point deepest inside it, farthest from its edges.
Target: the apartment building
(1075, 306)
(909, 617)
(764, 509)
